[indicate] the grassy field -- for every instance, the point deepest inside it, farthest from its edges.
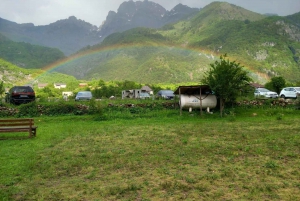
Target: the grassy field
(250, 154)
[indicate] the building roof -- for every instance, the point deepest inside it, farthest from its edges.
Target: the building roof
(146, 88)
(190, 90)
(256, 85)
(42, 84)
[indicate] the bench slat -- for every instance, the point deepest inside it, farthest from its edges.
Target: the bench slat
(14, 130)
(15, 124)
(10, 127)
(15, 120)
(18, 125)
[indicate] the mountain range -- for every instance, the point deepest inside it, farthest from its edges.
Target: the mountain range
(145, 43)
(72, 34)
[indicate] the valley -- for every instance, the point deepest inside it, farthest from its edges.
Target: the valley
(178, 51)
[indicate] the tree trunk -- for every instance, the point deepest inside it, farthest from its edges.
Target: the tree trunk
(221, 106)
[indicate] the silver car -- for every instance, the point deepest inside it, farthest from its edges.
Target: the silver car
(290, 92)
(263, 92)
(83, 95)
(144, 96)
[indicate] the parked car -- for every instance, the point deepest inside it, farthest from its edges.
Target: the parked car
(20, 94)
(290, 92)
(144, 95)
(83, 95)
(165, 94)
(265, 93)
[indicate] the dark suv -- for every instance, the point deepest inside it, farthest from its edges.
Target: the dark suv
(20, 94)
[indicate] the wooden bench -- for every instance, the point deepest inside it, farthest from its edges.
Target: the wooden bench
(18, 125)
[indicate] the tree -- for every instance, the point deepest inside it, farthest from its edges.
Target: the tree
(226, 79)
(276, 84)
(2, 90)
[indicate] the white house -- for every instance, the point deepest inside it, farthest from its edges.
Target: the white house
(60, 85)
(147, 89)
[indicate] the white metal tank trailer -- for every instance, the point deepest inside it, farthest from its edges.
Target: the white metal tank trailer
(196, 97)
(208, 101)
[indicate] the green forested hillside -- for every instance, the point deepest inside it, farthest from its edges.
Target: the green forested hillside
(27, 55)
(295, 19)
(206, 22)
(182, 52)
(267, 45)
(11, 75)
(142, 55)
(259, 45)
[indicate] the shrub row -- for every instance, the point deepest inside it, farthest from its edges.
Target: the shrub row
(35, 109)
(269, 103)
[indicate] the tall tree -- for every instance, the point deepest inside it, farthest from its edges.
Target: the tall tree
(276, 83)
(226, 79)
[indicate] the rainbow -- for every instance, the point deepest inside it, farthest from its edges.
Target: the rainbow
(73, 58)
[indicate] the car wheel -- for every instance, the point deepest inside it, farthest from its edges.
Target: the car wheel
(282, 96)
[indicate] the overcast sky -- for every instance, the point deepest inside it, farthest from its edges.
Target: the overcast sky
(44, 12)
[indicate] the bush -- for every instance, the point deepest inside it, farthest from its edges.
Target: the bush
(58, 108)
(94, 107)
(28, 110)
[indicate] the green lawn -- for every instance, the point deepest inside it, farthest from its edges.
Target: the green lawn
(155, 156)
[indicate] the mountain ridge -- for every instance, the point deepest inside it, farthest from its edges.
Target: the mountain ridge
(263, 44)
(181, 52)
(62, 33)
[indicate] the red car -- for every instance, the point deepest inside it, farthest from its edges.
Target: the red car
(20, 94)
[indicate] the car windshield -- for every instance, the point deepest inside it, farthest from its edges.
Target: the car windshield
(84, 94)
(263, 90)
(297, 89)
(144, 94)
(22, 89)
(167, 92)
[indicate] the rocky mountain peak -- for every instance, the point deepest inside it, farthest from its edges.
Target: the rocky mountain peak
(71, 34)
(145, 13)
(131, 8)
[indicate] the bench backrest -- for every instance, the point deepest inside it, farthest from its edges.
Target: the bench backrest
(16, 122)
